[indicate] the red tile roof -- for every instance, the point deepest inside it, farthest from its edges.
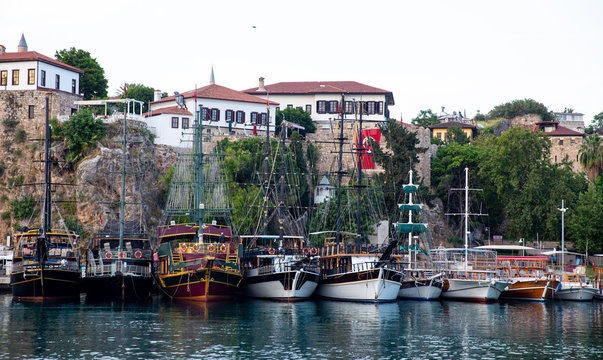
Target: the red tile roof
(34, 56)
(218, 92)
(322, 87)
(171, 110)
(559, 130)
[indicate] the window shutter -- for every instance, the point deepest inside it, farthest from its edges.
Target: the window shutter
(217, 114)
(318, 107)
(243, 117)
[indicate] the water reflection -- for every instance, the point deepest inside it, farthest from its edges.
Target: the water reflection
(314, 329)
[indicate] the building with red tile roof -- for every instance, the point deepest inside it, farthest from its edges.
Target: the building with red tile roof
(565, 142)
(222, 110)
(323, 99)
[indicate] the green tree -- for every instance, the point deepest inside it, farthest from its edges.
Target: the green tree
(591, 156)
(402, 146)
(585, 225)
(295, 115)
(456, 134)
(425, 118)
(93, 83)
(139, 92)
(521, 107)
(81, 131)
(596, 124)
(479, 117)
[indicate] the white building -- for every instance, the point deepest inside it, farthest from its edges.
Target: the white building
(571, 120)
(322, 99)
(29, 70)
(323, 191)
(223, 110)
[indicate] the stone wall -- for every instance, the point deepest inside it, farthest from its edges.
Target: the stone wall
(562, 146)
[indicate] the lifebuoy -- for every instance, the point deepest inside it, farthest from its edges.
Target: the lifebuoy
(223, 248)
(183, 247)
(271, 251)
(314, 251)
(211, 248)
(138, 254)
(108, 255)
(306, 251)
(196, 248)
(122, 254)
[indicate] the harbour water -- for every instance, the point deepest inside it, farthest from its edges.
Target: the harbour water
(250, 329)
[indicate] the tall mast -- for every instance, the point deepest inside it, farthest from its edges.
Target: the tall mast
(122, 204)
(410, 221)
(199, 211)
(339, 174)
(466, 215)
(266, 182)
(281, 200)
(359, 152)
(47, 220)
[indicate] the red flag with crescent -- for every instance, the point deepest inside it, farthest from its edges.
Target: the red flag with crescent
(366, 149)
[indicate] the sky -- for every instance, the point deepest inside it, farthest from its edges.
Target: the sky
(463, 55)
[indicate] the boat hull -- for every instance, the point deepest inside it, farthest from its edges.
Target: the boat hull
(283, 286)
(205, 284)
(50, 284)
(473, 290)
(117, 287)
(530, 290)
(375, 285)
(576, 293)
(416, 291)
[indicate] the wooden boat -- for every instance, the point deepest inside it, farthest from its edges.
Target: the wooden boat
(277, 267)
(119, 259)
(197, 259)
(421, 284)
(351, 272)
(530, 278)
(46, 262)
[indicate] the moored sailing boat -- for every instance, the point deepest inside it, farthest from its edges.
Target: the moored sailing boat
(471, 274)
(288, 271)
(351, 273)
(119, 259)
(197, 261)
(46, 263)
(419, 282)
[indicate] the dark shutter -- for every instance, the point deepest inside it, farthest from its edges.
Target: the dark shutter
(217, 114)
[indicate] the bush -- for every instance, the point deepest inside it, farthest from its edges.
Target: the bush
(20, 135)
(82, 131)
(521, 107)
(16, 181)
(23, 208)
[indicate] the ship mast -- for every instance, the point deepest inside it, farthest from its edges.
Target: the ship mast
(122, 203)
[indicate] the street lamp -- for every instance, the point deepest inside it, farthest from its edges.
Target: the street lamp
(563, 209)
(522, 247)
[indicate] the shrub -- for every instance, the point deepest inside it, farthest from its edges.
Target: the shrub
(23, 208)
(20, 135)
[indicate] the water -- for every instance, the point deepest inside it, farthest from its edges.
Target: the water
(249, 329)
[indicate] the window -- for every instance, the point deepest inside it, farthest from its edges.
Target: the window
(560, 142)
(73, 86)
(15, 77)
(333, 107)
(439, 135)
(349, 107)
(278, 108)
(215, 114)
(370, 107)
(555, 158)
(30, 112)
(321, 106)
(289, 106)
(57, 82)
(175, 122)
(254, 118)
(185, 123)
(240, 117)
(3, 77)
(572, 141)
(204, 114)
(43, 78)
(229, 115)
(380, 107)
(263, 117)
(309, 108)
(31, 76)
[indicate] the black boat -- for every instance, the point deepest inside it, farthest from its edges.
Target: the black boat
(119, 259)
(46, 263)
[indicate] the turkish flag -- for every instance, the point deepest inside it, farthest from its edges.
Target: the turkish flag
(364, 148)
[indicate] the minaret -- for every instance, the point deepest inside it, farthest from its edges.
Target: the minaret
(212, 80)
(22, 47)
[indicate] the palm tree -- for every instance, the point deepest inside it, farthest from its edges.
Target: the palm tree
(591, 156)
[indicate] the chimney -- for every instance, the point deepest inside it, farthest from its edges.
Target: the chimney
(2, 49)
(157, 95)
(261, 87)
(22, 47)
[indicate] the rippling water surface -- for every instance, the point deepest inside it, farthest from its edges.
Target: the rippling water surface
(249, 329)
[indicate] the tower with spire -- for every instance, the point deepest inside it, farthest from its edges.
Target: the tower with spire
(22, 47)
(212, 80)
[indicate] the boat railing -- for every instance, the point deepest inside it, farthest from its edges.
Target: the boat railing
(125, 254)
(110, 269)
(269, 269)
(64, 264)
(365, 266)
(227, 248)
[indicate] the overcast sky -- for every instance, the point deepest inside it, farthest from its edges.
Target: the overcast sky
(464, 55)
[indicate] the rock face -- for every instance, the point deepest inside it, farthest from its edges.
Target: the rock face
(99, 180)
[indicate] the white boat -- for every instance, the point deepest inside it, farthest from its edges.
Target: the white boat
(358, 278)
(419, 281)
(6, 266)
(575, 287)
